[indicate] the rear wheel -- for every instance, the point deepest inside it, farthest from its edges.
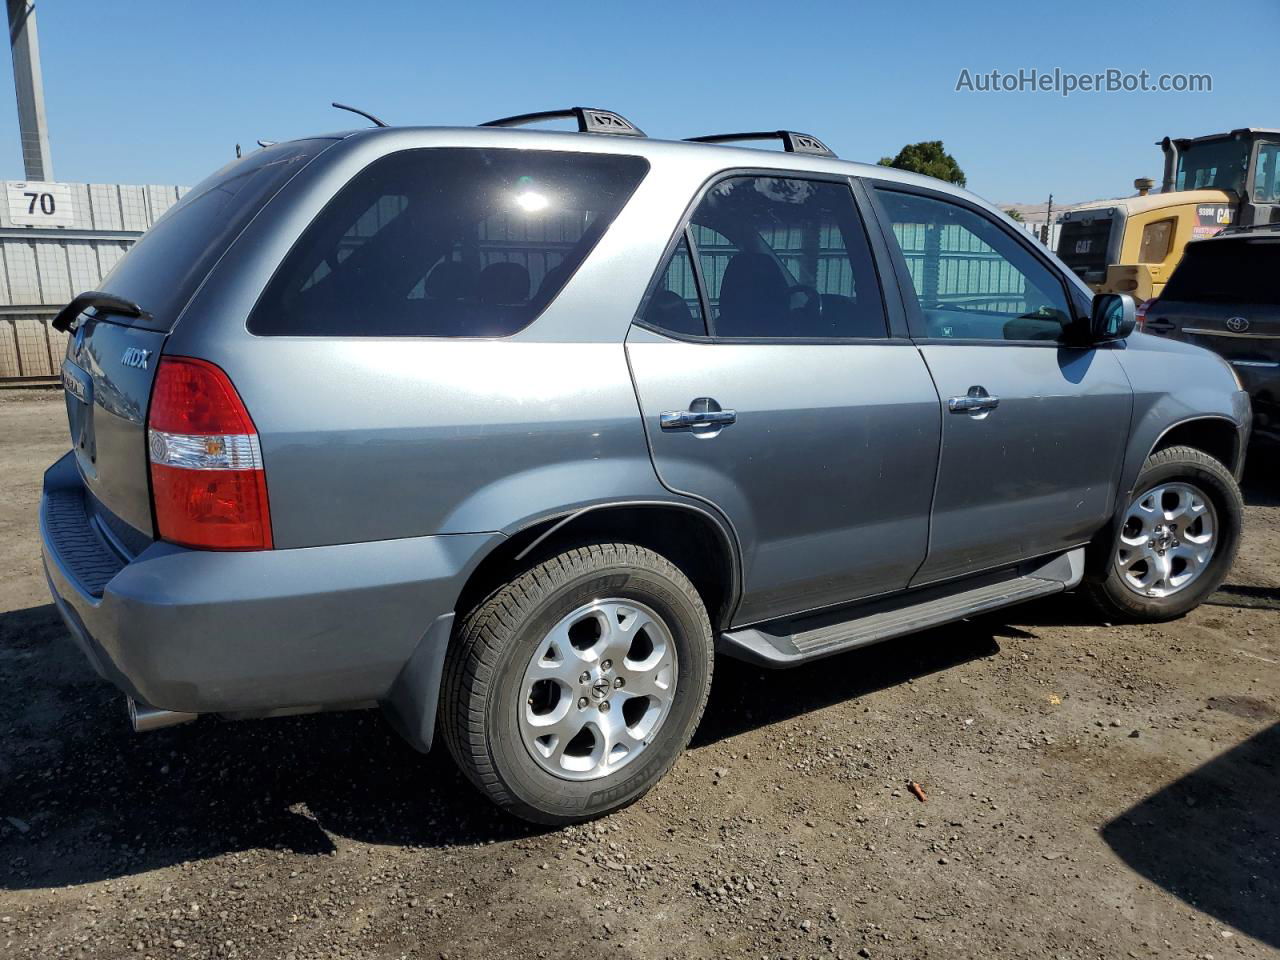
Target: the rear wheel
(1177, 539)
(570, 691)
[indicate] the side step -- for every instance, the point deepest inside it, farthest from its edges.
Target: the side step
(786, 643)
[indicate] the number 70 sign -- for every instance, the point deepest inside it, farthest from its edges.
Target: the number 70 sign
(39, 204)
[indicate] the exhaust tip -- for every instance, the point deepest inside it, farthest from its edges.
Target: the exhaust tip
(144, 717)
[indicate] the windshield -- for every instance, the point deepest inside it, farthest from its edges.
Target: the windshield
(1213, 165)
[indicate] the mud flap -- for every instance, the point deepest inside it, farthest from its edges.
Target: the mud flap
(411, 704)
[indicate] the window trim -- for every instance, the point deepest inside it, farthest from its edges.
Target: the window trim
(895, 333)
(915, 314)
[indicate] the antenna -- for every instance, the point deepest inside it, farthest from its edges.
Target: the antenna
(368, 116)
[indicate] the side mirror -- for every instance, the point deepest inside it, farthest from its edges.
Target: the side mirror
(1114, 317)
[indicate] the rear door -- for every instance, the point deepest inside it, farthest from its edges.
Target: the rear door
(776, 385)
(111, 359)
(1033, 428)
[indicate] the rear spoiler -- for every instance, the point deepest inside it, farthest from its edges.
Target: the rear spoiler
(107, 302)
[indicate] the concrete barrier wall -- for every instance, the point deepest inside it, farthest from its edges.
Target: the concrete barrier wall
(41, 268)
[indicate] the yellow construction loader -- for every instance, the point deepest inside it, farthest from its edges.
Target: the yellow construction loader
(1210, 183)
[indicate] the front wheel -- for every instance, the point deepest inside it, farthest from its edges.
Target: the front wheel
(1176, 542)
(572, 690)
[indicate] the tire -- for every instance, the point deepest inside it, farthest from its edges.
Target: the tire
(488, 705)
(1107, 585)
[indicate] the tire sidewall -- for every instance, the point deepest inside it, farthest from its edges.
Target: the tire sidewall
(1228, 508)
(542, 792)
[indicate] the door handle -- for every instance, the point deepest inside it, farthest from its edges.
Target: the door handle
(977, 400)
(702, 412)
(697, 418)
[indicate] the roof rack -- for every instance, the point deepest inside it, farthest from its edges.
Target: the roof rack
(792, 142)
(590, 120)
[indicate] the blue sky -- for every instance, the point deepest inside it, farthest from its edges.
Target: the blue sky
(159, 91)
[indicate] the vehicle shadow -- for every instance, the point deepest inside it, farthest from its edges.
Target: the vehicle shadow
(1211, 837)
(778, 695)
(83, 799)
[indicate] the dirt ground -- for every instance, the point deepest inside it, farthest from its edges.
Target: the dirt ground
(1093, 791)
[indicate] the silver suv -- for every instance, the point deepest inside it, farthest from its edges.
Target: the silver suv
(513, 430)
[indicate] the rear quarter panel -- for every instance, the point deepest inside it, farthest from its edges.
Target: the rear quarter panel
(377, 438)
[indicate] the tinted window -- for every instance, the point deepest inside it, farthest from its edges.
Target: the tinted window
(1266, 178)
(446, 243)
(785, 257)
(673, 305)
(972, 279)
(163, 269)
(1227, 271)
(1213, 164)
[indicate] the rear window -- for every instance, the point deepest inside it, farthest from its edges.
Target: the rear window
(1227, 271)
(446, 242)
(163, 269)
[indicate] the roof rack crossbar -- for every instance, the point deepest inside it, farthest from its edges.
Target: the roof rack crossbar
(792, 141)
(590, 120)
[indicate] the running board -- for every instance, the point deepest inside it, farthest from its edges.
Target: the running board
(786, 643)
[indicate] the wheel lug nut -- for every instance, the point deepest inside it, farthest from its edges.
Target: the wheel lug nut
(618, 683)
(582, 703)
(606, 665)
(604, 707)
(585, 677)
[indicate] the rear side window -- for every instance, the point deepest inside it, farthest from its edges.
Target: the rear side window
(1226, 271)
(446, 242)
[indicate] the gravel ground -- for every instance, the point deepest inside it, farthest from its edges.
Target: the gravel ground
(1092, 791)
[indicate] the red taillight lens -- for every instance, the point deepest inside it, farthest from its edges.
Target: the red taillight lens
(207, 479)
(1144, 308)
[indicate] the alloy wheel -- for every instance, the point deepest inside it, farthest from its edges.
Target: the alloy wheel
(1167, 540)
(597, 689)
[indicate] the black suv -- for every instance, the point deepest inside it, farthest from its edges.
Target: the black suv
(1225, 295)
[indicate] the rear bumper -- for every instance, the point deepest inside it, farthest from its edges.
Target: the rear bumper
(207, 632)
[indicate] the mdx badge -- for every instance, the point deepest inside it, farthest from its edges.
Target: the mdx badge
(1237, 324)
(136, 357)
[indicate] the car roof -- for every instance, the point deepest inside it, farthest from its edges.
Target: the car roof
(712, 156)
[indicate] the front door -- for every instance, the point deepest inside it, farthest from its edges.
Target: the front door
(772, 388)
(1033, 428)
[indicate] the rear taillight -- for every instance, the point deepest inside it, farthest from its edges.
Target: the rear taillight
(1143, 308)
(207, 479)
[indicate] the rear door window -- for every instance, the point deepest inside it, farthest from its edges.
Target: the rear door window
(446, 242)
(785, 257)
(674, 305)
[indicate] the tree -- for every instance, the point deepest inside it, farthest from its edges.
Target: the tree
(928, 157)
(1013, 215)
